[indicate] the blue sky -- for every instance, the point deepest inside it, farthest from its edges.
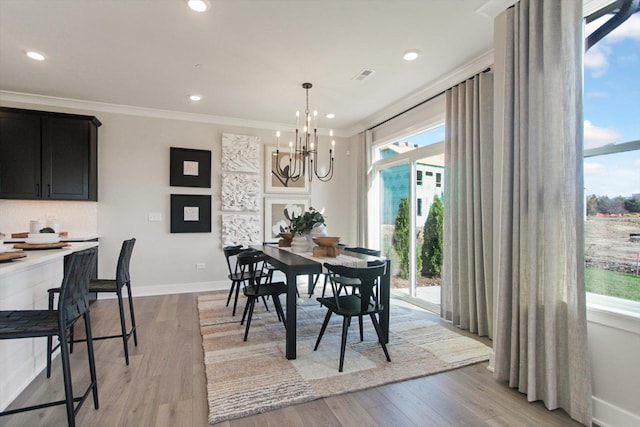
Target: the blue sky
(612, 109)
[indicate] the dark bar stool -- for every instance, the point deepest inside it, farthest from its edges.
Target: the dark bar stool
(72, 304)
(123, 278)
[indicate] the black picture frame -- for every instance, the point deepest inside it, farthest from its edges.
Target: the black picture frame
(196, 218)
(189, 167)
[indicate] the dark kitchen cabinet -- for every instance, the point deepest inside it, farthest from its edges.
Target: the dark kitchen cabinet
(49, 156)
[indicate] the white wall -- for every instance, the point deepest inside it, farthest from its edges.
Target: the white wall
(133, 180)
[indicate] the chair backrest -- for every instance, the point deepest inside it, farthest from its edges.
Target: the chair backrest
(254, 262)
(229, 252)
(122, 270)
(368, 277)
(74, 291)
(366, 251)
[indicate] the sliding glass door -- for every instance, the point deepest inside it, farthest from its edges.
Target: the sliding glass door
(410, 181)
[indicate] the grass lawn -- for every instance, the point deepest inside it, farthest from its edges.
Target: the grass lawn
(612, 283)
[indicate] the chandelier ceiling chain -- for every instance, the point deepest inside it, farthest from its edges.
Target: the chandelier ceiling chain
(303, 154)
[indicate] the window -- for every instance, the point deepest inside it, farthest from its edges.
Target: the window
(419, 178)
(612, 162)
(419, 207)
(438, 180)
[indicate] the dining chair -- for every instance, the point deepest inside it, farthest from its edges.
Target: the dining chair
(345, 281)
(260, 285)
(236, 276)
(350, 305)
(73, 304)
(110, 286)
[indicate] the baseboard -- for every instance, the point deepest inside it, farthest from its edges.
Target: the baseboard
(607, 415)
(177, 288)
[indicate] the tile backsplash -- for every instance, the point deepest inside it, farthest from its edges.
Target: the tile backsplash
(77, 218)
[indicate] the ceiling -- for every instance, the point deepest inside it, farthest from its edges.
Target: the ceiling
(247, 58)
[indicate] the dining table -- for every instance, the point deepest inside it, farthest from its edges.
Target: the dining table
(305, 264)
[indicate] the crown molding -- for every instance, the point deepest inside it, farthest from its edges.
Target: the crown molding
(51, 101)
(435, 87)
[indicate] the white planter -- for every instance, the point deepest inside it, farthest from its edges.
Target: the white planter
(299, 244)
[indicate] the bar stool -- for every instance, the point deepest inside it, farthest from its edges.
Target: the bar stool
(72, 304)
(123, 278)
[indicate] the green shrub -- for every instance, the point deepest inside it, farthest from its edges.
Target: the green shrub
(431, 254)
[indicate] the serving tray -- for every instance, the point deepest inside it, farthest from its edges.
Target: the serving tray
(9, 256)
(38, 246)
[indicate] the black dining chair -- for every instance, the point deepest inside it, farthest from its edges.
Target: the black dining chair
(110, 286)
(351, 305)
(73, 304)
(259, 286)
(345, 281)
(237, 276)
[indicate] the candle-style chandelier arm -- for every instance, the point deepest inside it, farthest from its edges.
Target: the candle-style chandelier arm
(305, 149)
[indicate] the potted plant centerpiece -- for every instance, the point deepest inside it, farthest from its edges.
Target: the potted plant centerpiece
(301, 227)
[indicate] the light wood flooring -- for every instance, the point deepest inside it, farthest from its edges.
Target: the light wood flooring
(165, 385)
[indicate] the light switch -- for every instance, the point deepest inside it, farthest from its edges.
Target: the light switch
(155, 216)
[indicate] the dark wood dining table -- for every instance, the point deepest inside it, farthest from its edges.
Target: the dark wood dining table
(294, 265)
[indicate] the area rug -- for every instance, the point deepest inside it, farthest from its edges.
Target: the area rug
(246, 378)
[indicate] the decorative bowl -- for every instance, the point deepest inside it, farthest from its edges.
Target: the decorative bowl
(326, 241)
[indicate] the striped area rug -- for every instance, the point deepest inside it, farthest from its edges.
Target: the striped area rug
(246, 378)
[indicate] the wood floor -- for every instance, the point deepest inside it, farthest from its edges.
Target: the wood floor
(165, 385)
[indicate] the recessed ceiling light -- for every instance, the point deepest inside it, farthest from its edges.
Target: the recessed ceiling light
(36, 56)
(198, 5)
(195, 97)
(330, 115)
(411, 54)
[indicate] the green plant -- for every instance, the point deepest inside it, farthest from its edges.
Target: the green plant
(304, 223)
(432, 246)
(401, 237)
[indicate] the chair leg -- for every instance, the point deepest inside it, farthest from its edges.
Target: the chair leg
(92, 361)
(361, 328)
(278, 305)
(246, 331)
(246, 310)
(233, 285)
(376, 325)
(315, 282)
(66, 375)
(123, 326)
(235, 302)
(133, 317)
(322, 329)
(345, 328)
(264, 301)
(49, 340)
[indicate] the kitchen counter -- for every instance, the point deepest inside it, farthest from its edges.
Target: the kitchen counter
(23, 286)
(35, 257)
(70, 238)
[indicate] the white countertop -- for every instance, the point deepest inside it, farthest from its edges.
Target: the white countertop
(69, 238)
(35, 257)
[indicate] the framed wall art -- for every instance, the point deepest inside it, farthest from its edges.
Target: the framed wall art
(239, 229)
(275, 183)
(276, 212)
(240, 153)
(189, 168)
(190, 213)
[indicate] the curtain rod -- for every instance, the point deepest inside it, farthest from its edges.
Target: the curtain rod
(425, 101)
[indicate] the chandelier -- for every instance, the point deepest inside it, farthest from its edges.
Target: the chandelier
(303, 154)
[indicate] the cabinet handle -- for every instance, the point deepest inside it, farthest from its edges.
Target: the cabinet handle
(49, 189)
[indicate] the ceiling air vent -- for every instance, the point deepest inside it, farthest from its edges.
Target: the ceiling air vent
(364, 73)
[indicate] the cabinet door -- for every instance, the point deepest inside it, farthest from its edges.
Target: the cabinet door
(65, 160)
(19, 156)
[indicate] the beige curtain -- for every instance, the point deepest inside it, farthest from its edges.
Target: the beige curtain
(363, 184)
(467, 293)
(540, 339)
